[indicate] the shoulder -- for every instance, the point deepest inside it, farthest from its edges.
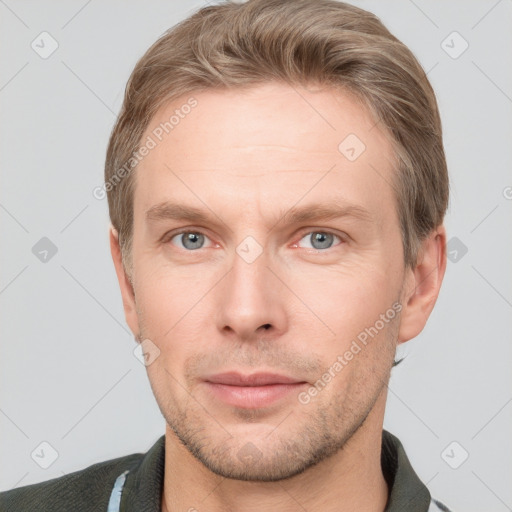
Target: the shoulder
(85, 490)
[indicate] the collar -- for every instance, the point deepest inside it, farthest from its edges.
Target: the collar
(141, 487)
(407, 491)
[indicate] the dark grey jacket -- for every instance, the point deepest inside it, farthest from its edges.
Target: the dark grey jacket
(134, 483)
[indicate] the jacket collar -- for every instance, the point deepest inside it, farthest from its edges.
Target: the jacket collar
(144, 482)
(407, 491)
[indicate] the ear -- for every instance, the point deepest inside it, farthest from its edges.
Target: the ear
(422, 285)
(127, 293)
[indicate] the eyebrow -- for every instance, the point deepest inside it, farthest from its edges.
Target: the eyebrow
(294, 215)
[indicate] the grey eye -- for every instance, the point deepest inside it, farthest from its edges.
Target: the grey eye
(190, 240)
(320, 240)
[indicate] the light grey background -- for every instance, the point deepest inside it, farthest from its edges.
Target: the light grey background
(68, 373)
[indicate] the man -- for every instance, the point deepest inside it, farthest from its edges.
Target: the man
(277, 187)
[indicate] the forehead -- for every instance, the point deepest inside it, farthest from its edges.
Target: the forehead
(266, 147)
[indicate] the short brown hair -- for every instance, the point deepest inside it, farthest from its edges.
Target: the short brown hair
(299, 42)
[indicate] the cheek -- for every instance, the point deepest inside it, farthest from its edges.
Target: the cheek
(166, 293)
(347, 299)
(172, 308)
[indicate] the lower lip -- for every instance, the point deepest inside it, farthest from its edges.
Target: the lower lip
(252, 397)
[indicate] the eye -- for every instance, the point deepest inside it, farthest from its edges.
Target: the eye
(320, 240)
(189, 240)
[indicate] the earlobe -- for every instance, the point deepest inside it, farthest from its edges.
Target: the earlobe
(127, 292)
(422, 285)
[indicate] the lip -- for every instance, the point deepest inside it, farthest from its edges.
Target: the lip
(255, 379)
(251, 391)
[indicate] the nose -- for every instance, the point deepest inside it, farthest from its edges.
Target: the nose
(250, 301)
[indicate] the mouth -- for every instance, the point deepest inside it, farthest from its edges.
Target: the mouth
(251, 391)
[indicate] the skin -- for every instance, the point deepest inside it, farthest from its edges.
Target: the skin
(247, 157)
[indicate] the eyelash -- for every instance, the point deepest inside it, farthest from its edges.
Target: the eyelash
(169, 236)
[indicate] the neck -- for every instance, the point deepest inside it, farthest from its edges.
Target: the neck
(352, 479)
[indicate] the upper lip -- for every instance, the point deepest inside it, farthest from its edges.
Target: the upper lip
(255, 379)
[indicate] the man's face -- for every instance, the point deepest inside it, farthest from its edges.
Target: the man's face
(254, 288)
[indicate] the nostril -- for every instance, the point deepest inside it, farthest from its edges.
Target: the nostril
(267, 326)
